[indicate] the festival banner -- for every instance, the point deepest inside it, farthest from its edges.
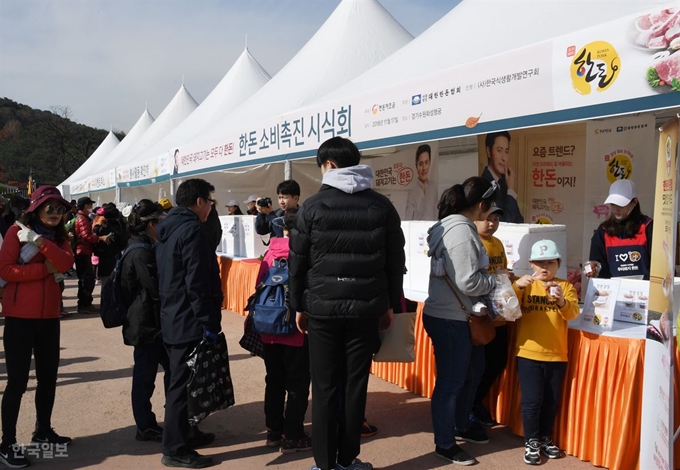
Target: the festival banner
(80, 187)
(102, 181)
(409, 179)
(618, 148)
(147, 170)
(656, 447)
(602, 65)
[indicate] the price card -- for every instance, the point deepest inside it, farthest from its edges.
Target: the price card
(599, 304)
(631, 301)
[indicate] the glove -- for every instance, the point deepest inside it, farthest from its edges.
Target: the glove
(210, 337)
(26, 235)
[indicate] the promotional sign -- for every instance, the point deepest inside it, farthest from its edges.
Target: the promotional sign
(632, 301)
(656, 447)
(618, 148)
(80, 187)
(606, 64)
(148, 170)
(599, 304)
(102, 180)
(409, 179)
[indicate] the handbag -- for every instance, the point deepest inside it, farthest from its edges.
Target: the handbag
(398, 343)
(482, 330)
(251, 340)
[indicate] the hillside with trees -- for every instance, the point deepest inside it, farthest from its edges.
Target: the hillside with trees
(47, 142)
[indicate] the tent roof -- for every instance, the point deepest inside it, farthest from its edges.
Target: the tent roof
(108, 144)
(98, 159)
(476, 29)
(357, 35)
(180, 106)
(244, 78)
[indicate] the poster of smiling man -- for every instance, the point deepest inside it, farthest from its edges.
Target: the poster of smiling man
(500, 169)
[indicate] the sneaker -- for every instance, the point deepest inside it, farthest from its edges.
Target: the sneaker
(367, 430)
(154, 433)
(290, 446)
(90, 309)
(198, 438)
(532, 454)
(50, 436)
(549, 449)
(481, 415)
(475, 434)
(191, 459)
(273, 439)
(13, 456)
(455, 455)
(355, 465)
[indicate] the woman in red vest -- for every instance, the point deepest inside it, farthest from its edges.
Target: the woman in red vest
(623, 244)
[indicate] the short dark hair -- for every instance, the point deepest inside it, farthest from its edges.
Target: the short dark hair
(460, 197)
(192, 189)
(288, 188)
(289, 217)
(422, 149)
(341, 151)
(491, 138)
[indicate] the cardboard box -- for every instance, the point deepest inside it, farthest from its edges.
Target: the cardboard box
(250, 244)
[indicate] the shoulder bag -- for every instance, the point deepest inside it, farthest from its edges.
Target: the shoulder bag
(482, 330)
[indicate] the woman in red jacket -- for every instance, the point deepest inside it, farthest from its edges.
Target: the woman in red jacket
(31, 307)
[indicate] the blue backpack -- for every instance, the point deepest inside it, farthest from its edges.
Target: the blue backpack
(269, 304)
(113, 309)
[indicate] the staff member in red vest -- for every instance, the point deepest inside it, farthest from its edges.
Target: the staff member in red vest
(623, 244)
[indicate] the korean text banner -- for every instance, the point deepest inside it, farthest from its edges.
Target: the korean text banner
(583, 74)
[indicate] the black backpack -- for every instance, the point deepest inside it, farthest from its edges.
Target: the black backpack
(269, 305)
(113, 309)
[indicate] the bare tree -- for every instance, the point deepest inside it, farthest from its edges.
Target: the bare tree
(62, 140)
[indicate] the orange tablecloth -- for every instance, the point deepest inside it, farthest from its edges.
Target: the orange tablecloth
(601, 407)
(238, 282)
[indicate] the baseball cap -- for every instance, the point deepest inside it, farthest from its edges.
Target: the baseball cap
(621, 192)
(251, 198)
(495, 208)
(44, 193)
(544, 249)
(165, 204)
(233, 202)
(83, 201)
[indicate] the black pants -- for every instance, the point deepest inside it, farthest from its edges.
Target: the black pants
(176, 426)
(496, 357)
(147, 359)
(21, 338)
(339, 348)
(85, 273)
(287, 372)
(541, 383)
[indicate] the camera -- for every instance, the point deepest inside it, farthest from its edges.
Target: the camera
(264, 202)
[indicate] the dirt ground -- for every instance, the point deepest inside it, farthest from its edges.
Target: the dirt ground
(93, 407)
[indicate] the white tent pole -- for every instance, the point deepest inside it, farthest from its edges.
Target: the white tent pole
(172, 188)
(287, 170)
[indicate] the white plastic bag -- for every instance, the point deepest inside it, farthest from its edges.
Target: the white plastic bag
(504, 300)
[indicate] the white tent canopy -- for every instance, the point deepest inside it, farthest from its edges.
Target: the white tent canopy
(244, 78)
(358, 35)
(181, 105)
(98, 156)
(475, 29)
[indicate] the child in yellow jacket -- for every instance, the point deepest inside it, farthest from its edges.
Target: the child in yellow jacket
(548, 303)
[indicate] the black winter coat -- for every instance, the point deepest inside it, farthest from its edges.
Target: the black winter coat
(108, 252)
(188, 278)
(346, 255)
(139, 284)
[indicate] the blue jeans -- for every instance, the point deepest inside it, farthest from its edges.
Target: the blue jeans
(460, 367)
(541, 384)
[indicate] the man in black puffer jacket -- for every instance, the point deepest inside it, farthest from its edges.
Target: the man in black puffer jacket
(346, 269)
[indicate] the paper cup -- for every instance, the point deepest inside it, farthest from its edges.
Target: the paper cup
(512, 302)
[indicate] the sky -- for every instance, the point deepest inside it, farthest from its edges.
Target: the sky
(108, 59)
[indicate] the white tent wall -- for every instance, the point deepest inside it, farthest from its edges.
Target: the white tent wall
(308, 175)
(155, 192)
(239, 184)
(102, 197)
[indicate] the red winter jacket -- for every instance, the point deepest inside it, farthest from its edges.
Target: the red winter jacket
(31, 291)
(86, 238)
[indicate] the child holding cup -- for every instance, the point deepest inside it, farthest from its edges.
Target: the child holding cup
(548, 303)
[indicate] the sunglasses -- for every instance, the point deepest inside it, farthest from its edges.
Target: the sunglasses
(491, 190)
(50, 209)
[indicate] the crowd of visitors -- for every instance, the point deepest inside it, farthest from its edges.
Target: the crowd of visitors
(344, 251)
